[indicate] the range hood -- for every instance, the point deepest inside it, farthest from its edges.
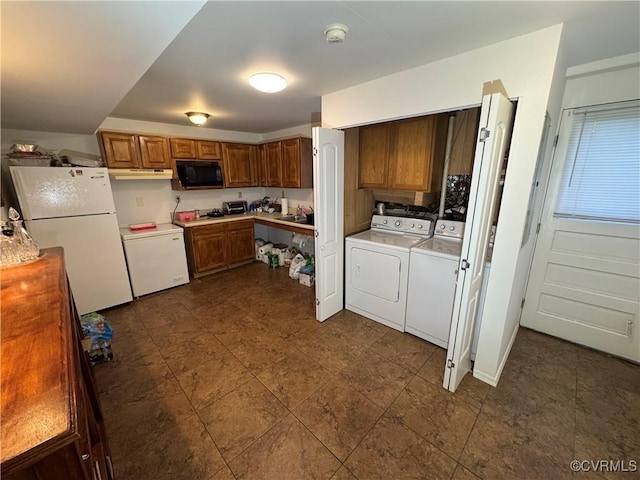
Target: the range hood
(141, 173)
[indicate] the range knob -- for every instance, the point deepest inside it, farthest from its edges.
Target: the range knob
(398, 223)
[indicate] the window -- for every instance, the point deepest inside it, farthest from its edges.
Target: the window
(601, 177)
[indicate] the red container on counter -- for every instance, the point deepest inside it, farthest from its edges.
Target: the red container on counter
(186, 216)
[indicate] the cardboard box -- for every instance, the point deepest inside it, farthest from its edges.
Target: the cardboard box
(307, 279)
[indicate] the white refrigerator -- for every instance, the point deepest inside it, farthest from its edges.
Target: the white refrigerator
(73, 207)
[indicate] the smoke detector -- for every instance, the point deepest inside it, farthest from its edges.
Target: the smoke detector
(335, 33)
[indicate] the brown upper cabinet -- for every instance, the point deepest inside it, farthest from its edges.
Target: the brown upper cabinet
(187, 148)
(272, 163)
(183, 148)
(154, 151)
(297, 163)
(463, 146)
(374, 156)
(403, 155)
(283, 163)
(125, 150)
(240, 165)
(288, 163)
(261, 167)
(208, 150)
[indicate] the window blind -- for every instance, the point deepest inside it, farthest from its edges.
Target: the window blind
(601, 176)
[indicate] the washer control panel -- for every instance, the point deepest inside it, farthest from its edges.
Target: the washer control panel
(449, 228)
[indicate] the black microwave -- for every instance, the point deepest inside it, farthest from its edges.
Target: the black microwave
(199, 174)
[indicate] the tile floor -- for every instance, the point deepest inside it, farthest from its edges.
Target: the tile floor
(231, 377)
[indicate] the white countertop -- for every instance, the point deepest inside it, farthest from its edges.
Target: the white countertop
(160, 229)
(266, 217)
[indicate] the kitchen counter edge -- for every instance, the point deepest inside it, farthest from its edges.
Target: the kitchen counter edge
(265, 217)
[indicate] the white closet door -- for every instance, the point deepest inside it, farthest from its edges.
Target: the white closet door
(493, 134)
(328, 196)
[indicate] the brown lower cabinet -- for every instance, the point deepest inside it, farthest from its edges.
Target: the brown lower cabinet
(52, 425)
(222, 245)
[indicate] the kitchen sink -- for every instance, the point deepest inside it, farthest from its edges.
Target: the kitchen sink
(294, 218)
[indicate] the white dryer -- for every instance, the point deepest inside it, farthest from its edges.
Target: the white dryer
(377, 267)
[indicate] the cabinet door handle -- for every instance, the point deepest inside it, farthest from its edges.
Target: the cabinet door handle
(85, 456)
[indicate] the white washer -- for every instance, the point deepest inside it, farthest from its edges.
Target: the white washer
(432, 285)
(377, 267)
(156, 258)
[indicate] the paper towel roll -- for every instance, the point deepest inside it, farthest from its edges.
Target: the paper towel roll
(285, 205)
(265, 249)
(264, 252)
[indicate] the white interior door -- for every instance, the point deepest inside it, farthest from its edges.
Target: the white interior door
(328, 198)
(493, 134)
(584, 284)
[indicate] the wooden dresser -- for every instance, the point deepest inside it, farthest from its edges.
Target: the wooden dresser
(51, 424)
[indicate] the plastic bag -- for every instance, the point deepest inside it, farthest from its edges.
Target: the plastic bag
(97, 328)
(296, 263)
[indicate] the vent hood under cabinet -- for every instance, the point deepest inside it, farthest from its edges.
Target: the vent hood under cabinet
(140, 173)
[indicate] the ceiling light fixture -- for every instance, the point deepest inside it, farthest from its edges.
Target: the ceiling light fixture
(335, 33)
(198, 118)
(267, 82)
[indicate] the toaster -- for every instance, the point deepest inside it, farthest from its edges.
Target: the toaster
(232, 208)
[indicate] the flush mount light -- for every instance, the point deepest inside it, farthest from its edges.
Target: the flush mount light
(199, 118)
(267, 82)
(335, 33)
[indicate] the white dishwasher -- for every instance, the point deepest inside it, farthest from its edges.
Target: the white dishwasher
(156, 258)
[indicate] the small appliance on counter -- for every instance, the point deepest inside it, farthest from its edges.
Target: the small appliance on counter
(215, 213)
(234, 208)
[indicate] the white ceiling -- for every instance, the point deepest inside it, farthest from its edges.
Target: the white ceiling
(66, 66)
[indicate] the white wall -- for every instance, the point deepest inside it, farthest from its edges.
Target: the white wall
(526, 66)
(158, 200)
(304, 130)
(613, 80)
(492, 359)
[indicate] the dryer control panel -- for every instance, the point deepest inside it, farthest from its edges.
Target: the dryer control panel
(415, 226)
